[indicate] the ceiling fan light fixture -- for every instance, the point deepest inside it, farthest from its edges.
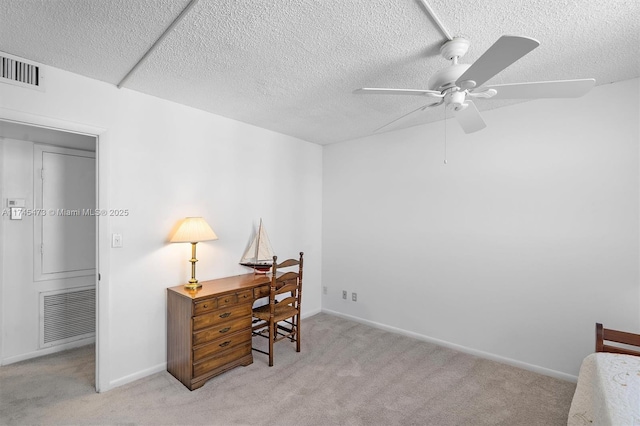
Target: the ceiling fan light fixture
(455, 100)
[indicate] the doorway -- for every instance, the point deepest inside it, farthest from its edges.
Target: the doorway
(26, 291)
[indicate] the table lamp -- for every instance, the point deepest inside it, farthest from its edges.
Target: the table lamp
(193, 230)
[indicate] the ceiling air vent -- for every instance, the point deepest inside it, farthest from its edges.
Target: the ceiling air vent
(20, 72)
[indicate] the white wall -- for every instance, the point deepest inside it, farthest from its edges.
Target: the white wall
(165, 161)
(515, 248)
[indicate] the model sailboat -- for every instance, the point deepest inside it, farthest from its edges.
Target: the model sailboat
(259, 255)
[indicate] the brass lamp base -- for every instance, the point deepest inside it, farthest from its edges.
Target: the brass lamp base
(193, 282)
(193, 286)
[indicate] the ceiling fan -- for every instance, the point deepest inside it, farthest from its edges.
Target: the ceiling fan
(458, 84)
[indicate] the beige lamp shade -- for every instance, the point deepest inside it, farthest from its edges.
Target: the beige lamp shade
(193, 230)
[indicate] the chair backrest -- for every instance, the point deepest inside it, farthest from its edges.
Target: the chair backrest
(604, 334)
(286, 282)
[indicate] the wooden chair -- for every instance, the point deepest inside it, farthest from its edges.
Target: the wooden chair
(281, 309)
(604, 334)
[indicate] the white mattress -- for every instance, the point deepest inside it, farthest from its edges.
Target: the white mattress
(608, 391)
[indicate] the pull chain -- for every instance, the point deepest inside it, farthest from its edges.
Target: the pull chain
(445, 135)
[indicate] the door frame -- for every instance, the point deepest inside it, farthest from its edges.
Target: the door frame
(102, 382)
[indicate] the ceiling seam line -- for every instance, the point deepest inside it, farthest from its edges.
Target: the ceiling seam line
(155, 45)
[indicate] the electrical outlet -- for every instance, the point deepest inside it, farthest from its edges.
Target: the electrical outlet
(324, 289)
(344, 294)
(354, 297)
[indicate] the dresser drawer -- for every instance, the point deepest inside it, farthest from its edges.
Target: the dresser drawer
(221, 330)
(245, 296)
(262, 291)
(213, 303)
(227, 300)
(222, 344)
(221, 316)
(221, 359)
(205, 306)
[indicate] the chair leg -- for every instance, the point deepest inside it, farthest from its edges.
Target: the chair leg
(272, 336)
(296, 320)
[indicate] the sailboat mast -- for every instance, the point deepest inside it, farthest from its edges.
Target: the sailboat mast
(258, 241)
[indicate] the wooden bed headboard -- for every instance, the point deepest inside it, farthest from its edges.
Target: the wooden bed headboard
(604, 334)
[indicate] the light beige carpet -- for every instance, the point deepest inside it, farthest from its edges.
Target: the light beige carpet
(346, 374)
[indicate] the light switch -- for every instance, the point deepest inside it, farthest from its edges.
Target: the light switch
(116, 240)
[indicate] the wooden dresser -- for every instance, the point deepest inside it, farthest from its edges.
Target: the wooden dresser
(209, 330)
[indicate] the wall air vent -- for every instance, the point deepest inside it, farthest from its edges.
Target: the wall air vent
(20, 72)
(67, 315)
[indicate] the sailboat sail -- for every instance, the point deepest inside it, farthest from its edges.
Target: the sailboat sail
(259, 251)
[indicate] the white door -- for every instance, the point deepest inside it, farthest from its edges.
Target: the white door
(65, 221)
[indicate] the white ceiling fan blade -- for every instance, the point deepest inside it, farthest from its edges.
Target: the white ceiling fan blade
(383, 91)
(503, 53)
(470, 119)
(422, 108)
(543, 89)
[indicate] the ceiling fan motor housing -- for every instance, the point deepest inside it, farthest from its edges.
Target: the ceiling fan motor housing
(446, 78)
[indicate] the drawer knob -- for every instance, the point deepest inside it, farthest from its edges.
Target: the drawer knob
(226, 314)
(224, 330)
(222, 345)
(204, 306)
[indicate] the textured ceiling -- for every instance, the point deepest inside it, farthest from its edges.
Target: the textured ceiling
(291, 65)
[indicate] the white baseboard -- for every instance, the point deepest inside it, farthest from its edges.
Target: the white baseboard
(307, 314)
(487, 355)
(48, 351)
(137, 375)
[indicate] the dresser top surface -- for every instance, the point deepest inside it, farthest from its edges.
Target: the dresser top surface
(222, 285)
